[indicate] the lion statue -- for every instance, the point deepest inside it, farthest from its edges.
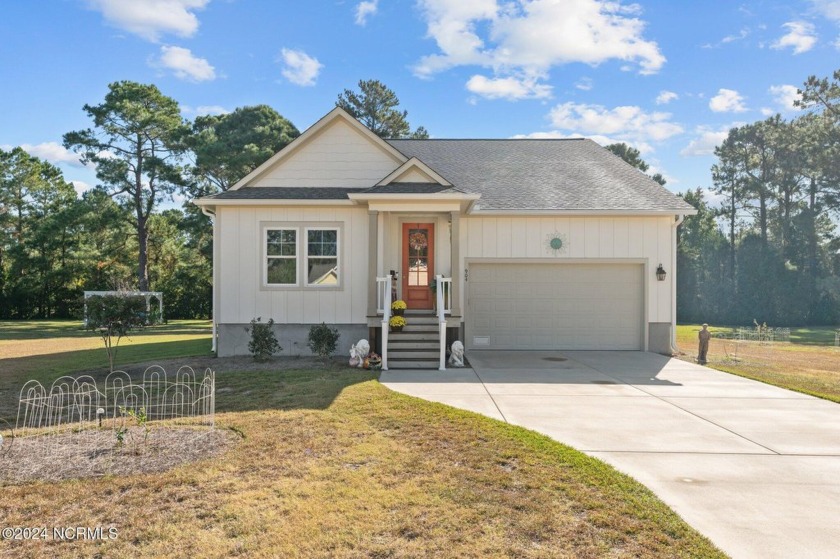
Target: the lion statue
(358, 353)
(456, 354)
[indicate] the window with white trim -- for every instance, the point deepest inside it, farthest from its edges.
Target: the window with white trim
(321, 261)
(281, 251)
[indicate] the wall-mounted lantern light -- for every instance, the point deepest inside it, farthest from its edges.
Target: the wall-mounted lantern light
(660, 273)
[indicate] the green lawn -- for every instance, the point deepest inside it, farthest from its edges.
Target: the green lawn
(333, 464)
(45, 329)
(45, 349)
(808, 363)
(804, 335)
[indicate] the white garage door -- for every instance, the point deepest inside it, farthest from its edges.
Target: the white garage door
(555, 306)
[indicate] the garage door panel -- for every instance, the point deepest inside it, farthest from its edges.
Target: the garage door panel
(556, 306)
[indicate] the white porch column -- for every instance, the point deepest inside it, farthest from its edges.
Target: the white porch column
(373, 235)
(455, 257)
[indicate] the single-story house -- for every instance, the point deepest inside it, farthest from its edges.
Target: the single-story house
(552, 244)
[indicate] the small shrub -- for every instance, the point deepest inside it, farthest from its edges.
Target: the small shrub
(114, 317)
(263, 342)
(397, 322)
(398, 305)
(323, 339)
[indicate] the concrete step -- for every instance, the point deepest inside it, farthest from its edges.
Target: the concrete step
(418, 344)
(412, 363)
(433, 329)
(402, 354)
(421, 319)
(412, 336)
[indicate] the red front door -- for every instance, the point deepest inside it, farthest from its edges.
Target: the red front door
(418, 264)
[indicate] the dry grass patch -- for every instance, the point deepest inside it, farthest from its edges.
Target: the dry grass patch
(333, 464)
(810, 366)
(96, 453)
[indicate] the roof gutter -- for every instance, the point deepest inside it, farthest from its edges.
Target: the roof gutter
(212, 202)
(585, 212)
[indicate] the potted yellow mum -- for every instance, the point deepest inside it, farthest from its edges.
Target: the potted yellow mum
(397, 323)
(398, 307)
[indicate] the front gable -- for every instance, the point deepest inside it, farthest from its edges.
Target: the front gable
(337, 151)
(414, 171)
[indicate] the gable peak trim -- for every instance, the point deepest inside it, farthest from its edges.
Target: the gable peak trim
(414, 164)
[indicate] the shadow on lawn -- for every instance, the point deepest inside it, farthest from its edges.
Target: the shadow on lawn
(241, 384)
(15, 372)
(316, 389)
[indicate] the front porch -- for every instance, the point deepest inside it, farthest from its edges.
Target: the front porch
(423, 342)
(414, 257)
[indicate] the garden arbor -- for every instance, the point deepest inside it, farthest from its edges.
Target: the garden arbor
(147, 295)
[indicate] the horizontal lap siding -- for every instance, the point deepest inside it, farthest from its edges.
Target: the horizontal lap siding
(240, 295)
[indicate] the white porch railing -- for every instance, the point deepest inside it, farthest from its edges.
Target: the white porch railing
(383, 305)
(444, 307)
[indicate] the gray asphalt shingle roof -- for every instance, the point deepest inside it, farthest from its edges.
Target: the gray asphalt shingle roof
(413, 188)
(568, 174)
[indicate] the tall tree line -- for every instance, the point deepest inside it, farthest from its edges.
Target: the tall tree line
(770, 250)
(54, 244)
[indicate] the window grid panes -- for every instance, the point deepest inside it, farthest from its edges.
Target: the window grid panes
(322, 257)
(281, 256)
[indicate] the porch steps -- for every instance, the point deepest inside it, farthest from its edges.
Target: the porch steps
(417, 346)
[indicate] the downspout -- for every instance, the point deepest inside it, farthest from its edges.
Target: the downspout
(212, 215)
(677, 222)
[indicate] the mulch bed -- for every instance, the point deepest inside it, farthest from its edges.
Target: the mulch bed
(96, 452)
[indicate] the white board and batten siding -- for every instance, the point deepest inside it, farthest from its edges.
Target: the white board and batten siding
(590, 295)
(242, 294)
(338, 156)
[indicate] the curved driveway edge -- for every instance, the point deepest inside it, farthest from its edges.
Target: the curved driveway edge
(753, 467)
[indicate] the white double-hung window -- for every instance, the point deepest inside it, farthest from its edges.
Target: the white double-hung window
(301, 256)
(322, 256)
(281, 250)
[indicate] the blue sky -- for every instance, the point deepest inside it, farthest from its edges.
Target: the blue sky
(669, 77)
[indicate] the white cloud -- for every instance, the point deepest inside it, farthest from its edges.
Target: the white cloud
(527, 38)
(705, 142)
(202, 110)
(727, 101)
(597, 138)
(784, 96)
(801, 37)
(151, 18)
(80, 186)
(509, 88)
(666, 97)
(714, 199)
(830, 9)
(185, 65)
(585, 84)
(627, 123)
(740, 36)
(53, 152)
(300, 68)
(366, 9)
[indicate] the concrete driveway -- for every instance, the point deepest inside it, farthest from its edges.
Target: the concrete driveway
(753, 467)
